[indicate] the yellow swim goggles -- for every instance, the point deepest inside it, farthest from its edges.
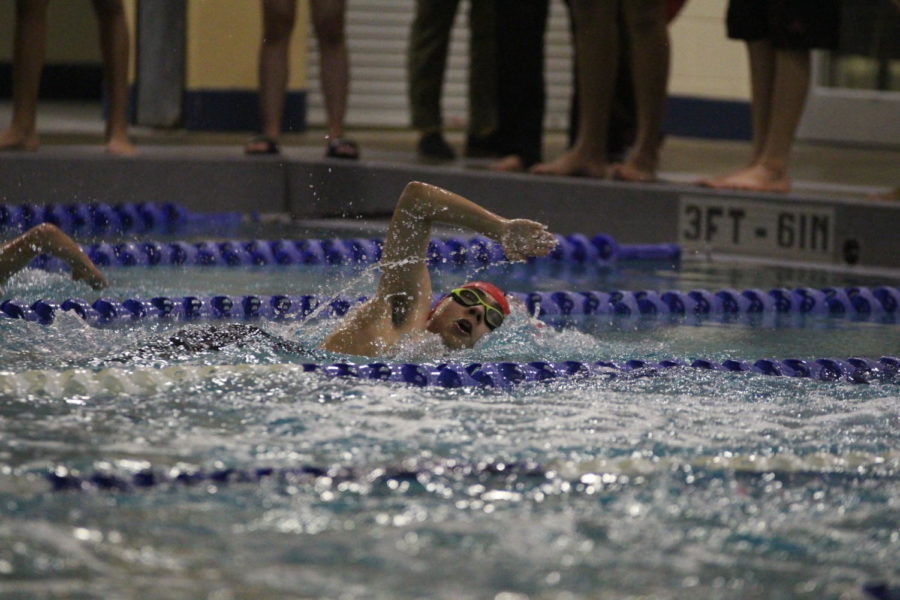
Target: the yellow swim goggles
(493, 318)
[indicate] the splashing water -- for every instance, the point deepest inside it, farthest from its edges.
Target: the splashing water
(689, 484)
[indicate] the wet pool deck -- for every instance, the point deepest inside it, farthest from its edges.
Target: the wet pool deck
(828, 218)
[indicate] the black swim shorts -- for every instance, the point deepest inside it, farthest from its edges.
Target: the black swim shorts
(787, 24)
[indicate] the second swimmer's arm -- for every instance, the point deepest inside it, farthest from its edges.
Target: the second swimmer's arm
(50, 239)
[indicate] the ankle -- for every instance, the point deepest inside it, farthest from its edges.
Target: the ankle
(644, 161)
(774, 169)
(18, 132)
(586, 153)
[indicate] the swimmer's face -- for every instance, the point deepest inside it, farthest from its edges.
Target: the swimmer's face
(460, 326)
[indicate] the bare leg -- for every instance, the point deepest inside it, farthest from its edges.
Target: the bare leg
(768, 171)
(761, 56)
(649, 40)
(596, 45)
(29, 49)
(278, 23)
(792, 73)
(334, 64)
(114, 45)
(762, 82)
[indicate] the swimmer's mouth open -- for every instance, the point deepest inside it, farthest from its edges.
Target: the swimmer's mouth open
(464, 325)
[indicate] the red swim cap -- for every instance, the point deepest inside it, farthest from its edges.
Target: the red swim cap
(491, 290)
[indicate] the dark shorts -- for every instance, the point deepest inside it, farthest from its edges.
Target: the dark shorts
(787, 24)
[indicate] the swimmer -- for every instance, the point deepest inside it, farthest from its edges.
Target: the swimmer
(47, 238)
(402, 305)
(401, 308)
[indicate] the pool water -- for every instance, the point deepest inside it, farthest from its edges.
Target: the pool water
(688, 484)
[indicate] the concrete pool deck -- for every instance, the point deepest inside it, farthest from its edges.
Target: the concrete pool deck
(827, 219)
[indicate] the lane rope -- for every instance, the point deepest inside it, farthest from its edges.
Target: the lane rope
(99, 219)
(587, 477)
(144, 380)
(576, 249)
(880, 304)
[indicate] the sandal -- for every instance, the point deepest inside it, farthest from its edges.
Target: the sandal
(342, 148)
(262, 144)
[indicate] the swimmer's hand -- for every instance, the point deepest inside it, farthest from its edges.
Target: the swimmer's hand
(89, 274)
(521, 238)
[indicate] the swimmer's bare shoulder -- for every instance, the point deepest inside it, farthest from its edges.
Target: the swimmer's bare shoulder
(373, 328)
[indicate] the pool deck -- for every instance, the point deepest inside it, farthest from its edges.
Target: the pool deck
(827, 219)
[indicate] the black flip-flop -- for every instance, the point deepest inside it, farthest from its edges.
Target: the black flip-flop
(342, 148)
(268, 145)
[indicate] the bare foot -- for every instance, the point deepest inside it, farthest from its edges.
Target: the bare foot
(888, 196)
(12, 141)
(754, 178)
(509, 164)
(716, 181)
(631, 172)
(572, 164)
(120, 147)
(708, 181)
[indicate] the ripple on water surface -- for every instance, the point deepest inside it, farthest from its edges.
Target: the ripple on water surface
(683, 485)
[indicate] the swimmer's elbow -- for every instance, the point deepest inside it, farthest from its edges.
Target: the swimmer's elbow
(412, 200)
(46, 229)
(44, 233)
(415, 188)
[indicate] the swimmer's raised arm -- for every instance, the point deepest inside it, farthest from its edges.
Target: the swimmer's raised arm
(421, 205)
(47, 238)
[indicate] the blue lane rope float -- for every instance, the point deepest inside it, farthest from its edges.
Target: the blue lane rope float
(853, 302)
(575, 249)
(97, 219)
(62, 479)
(454, 251)
(860, 303)
(881, 591)
(141, 380)
(613, 474)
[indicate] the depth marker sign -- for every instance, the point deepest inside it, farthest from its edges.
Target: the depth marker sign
(756, 228)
